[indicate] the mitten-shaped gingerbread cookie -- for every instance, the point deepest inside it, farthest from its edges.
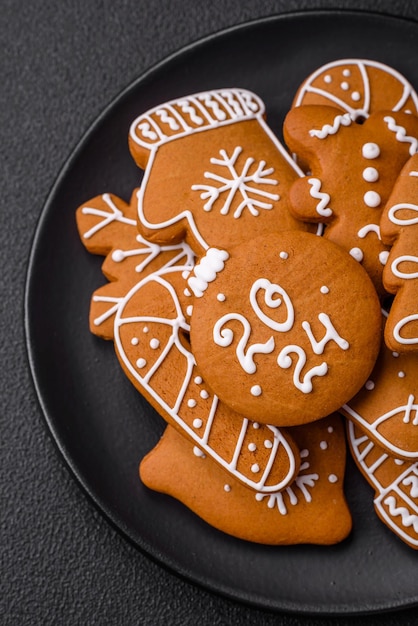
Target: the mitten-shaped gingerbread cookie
(399, 228)
(215, 174)
(358, 87)
(286, 329)
(312, 509)
(353, 169)
(395, 482)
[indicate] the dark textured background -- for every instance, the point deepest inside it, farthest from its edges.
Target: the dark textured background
(61, 64)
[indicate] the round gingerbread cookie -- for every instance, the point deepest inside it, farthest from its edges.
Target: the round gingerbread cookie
(359, 87)
(286, 329)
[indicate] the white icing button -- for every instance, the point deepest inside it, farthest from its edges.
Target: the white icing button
(345, 86)
(198, 452)
(370, 150)
(256, 390)
(369, 385)
(185, 274)
(370, 174)
(328, 79)
(330, 429)
(401, 374)
(324, 289)
(134, 341)
(198, 380)
(118, 256)
(304, 453)
(323, 445)
(221, 297)
(197, 423)
(154, 343)
(227, 488)
(372, 199)
(189, 310)
(255, 468)
(141, 363)
(395, 354)
(357, 254)
(145, 329)
(355, 96)
(399, 462)
(332, 478)
(346, 72)
(256, 425)
(284, 255)
(187, 293)
(383, 257)
(252, 447)
(268, 444)
(204, 394)
(259, 496)
(192, 403)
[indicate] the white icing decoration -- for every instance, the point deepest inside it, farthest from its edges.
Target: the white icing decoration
(268, 444)
(370, 174)
(204, 394)
(271, 290)
(227, 488)
(407, 519)
(328, 129)
(221, 297)
(345, 86)
(323, 445)
(356, 96)
(141, 363)
(383, 256)
(242, 183)
(284, 255)
(255, 468)
(207, 270)
(189, 310)
(198, 380)
(252, 447)
(285, 361)
(401, 374)
(357, 254)
(413, 481)
(145, 329)
(401, 135)
(134, 341)
(154, 344)
(322, 207)
(400, 259)
(115, 215)
(372, 199)
(191, 403)
(324, 289)
(256, 390)
(370, 150)
(331, 334)
(346, 72)
(369, 385)
(198, 452)
(400, 325)
(333, 478)
(302, 483)
(328, 79)
(399, 221)
(197, 423)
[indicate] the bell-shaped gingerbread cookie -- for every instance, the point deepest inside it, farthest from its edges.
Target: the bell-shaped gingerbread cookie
(215, 174)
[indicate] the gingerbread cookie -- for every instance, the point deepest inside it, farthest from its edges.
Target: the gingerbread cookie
(215, 174)
(395, 482)
(353, 169)
(359, 87)
(144, 310)
(399, 228)
(386, 407)
(288, 330)
(312, 509)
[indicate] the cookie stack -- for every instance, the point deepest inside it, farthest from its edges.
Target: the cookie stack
(261, 298)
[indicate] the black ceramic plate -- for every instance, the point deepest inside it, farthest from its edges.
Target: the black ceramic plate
(103, 427)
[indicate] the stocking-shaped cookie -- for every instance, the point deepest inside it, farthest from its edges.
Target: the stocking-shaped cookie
(353, 168)
(395, 482)
(358, 87)
(215, 174)
(386, 408)
(399, 228)
(144, 310)
(312, 509)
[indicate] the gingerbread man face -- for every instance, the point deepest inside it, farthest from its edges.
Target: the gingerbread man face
(353, 168)
(215, 174)
(288, 330)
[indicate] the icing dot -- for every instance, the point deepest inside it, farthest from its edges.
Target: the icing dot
(330, 429)
(197, 423)
(370, 150)
(145, 329)
(198, 380)
(198, 452)
(268, 444)
(189, 310)
(399, 462)
(304, 453)
(284, 255)
(134, 341)
(395, 354)
(192, 403)
(187, 292)
(401, 374)
(256, 390)
(141, 363)
(383, 257)
(252, 447)
(204, 394)
(259, 496)
(327, 79)
(323, 445)
(372, 199)
(118, 256)
(333, 478)
(355, 96)
(357, 254)
(256, 425)
(345, 86)
(369, 385)
(185, 274)
(370, 174)
(227, 488)
(255, 468)
(324, 289)
(221, 297)
(346, 72)
(154, 344)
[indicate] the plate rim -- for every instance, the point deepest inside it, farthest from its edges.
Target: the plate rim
(143, 546)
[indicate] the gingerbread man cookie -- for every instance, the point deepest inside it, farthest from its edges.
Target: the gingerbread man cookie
(359, 87)
(214, 172)
(395, 482)
(286, 329)
(312, 509)
(399, 228)
(353, 169)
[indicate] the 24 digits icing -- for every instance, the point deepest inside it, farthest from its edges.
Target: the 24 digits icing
(236, 322)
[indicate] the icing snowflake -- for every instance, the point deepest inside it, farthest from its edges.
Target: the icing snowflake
(238, 182)
(303, 482)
